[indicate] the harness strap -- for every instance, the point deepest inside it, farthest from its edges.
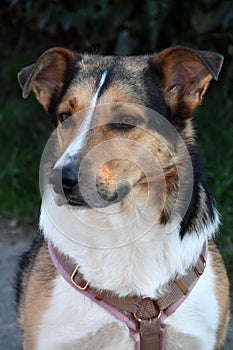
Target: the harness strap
(144, 316)
(151, 335)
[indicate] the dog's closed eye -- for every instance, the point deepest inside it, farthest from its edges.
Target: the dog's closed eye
(125, 122)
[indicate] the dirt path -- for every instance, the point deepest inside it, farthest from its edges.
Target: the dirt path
(14, 239)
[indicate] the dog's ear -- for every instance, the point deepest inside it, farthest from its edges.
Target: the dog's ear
(46, 77)
(186, 74)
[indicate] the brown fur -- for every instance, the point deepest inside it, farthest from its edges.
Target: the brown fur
(185, 77)
(222, 293)
(35, 301)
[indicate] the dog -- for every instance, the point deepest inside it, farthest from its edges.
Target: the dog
(125, 200)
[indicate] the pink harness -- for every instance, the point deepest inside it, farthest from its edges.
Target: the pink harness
(143, 316)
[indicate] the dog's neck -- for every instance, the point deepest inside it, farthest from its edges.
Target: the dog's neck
(137, 256)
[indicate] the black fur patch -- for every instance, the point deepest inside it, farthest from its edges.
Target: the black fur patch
(191, 220)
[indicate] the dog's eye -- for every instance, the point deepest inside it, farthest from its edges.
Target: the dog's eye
(126, 122)
(63, 116)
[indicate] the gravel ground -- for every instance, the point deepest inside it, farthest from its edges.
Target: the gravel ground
(14, 240)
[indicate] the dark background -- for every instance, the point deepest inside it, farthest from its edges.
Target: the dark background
(119, 27)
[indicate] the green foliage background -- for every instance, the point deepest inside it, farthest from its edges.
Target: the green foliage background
(121, 27)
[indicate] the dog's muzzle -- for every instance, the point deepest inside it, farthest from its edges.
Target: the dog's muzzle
(77, 189)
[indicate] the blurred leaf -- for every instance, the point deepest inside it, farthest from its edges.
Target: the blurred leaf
(66, 20)
(199, 19)
(44, 18)
(230, 50)
(221, 18)
(125, 45)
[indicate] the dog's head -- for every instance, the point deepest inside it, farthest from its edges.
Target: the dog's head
(109, 112)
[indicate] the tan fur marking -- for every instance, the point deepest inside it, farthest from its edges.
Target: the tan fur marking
(188, 133)
(171, 178)
(76, 99)
(222, 294)
(73, 102)
(37, 297)
(105, 173)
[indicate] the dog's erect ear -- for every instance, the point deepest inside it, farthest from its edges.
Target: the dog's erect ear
(186, 74)
(46, 77)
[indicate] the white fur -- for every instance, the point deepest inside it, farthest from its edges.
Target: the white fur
(77, 144)
(129, 263)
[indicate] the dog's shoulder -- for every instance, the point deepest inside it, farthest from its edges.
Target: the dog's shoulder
(26, 261)
(35, 271)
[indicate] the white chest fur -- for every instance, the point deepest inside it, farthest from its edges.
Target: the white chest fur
(142, 267)
(75, 322)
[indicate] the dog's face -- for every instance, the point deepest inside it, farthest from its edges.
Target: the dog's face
(109, 112)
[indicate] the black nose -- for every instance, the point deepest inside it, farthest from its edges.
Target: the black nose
(69, 177)
(64, 179)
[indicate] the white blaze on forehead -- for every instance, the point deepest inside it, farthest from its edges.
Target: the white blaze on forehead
(79, 141)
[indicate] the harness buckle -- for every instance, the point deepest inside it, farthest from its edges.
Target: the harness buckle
(197, 271)
(145, 308)
(72, 277)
